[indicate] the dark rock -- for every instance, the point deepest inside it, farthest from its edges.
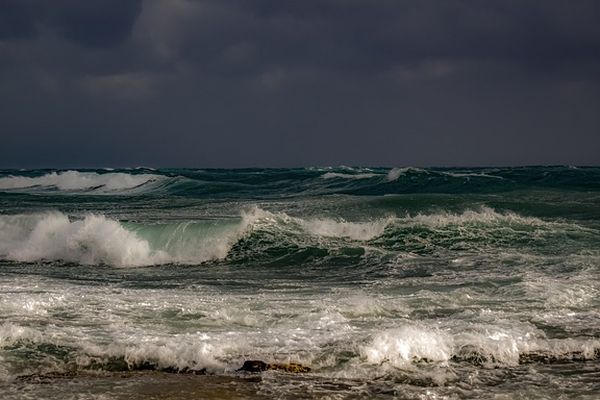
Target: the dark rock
(259, 366)
(254, 366)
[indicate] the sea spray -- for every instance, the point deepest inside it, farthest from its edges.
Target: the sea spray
(384, 283)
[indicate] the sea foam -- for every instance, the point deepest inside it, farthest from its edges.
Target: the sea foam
(492, 345)
(94, 239)
(320, 227)
(482, 215)
(396, 173)
(401, 347)
(333, 175)
(97, 239)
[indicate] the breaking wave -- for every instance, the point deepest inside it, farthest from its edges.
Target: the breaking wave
(392, 351)
(396, 173)
(96, 239)
(483, 345)
(92, 240)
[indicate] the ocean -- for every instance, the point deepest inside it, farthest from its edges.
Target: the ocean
(403, 283)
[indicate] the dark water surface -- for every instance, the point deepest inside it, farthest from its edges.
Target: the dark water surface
(388, 283)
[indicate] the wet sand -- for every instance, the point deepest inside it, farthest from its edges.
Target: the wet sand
(135, 385)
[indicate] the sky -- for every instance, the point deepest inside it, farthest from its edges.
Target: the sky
(275, 83)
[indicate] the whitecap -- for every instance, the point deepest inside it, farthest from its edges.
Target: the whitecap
(361, 231)
(471, 175)
(97, 239)
(93, 240)
(401, 347)
(339, 175)
(396, 173)
(320, 227)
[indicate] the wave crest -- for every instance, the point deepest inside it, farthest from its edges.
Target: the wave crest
(257, 233)
(395, 173)
(333, 175)
(483, 215)
(97, 239)
(92, 240)
(485, 345)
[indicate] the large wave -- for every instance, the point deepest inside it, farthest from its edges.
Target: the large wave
(97, 239)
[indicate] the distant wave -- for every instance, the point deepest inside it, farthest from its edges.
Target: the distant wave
(76, 181)
(273, 183)
(332, 175)
(396, 173)
(470, 175)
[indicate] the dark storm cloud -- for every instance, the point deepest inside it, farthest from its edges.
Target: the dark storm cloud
(299, 82)
(15, 20)
(94, 23)
(367, 36)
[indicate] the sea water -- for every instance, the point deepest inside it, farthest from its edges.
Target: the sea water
(389, 283)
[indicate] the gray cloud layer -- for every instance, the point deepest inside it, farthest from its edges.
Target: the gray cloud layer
(281, 83)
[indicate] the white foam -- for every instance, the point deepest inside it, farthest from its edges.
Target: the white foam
(320, 227)
(11, 334)
(401, 347)
(97, 239)
(357, 303)
(471, 175)
(572, 292)
(361, 231)
(367, 230)
(79, 181)
(484, 215)
(193, 351)
(396, 173)
(504, 344)
(181, 351)
(332, 175)
(496, 344)
(92, 240)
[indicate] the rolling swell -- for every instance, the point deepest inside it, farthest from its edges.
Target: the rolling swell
(273, 183)
(265, 236)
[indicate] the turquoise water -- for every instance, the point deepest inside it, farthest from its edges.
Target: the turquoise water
(389, 283)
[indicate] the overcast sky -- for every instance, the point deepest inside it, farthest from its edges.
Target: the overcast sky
(218, 83)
